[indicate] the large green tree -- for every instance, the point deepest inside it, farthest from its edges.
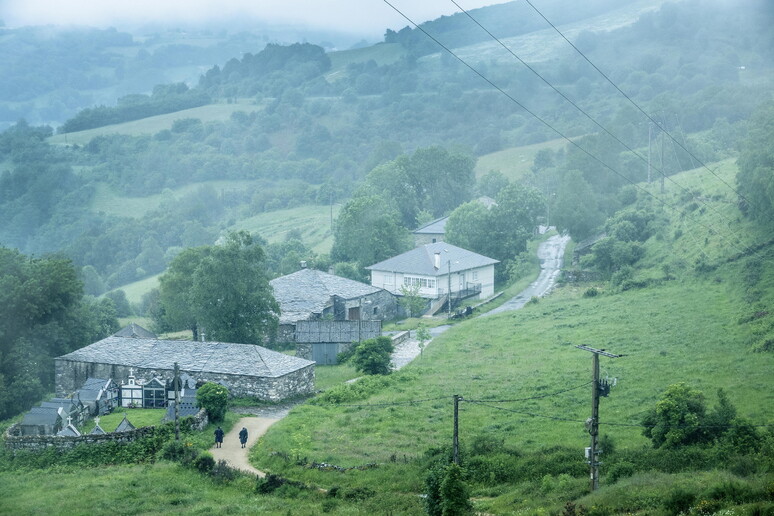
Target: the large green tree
(223, 289)
(576, 210)
(367, 231)
(42, 315)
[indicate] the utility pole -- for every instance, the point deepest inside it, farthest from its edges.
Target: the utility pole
(593, 423)
(663, 172)
(176, 385)
(456, 438)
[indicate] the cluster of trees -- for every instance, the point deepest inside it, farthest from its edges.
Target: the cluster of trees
(756, 167)
(44, 315)
(221, 289)
(165, 99)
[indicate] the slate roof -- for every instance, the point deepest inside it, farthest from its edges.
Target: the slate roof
(41, 416)
(421, 260)
(435, 227)
(135, 331)
(97, 430)
(309, 291)
(192, 356)
(124, 425)
(69, 431)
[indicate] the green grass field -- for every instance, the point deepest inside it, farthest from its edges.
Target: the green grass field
(154, 124)
(314, 223)
(514, 162)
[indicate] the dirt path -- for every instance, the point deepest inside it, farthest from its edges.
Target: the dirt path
(232, 451)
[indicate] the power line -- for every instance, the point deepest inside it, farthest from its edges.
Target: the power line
(562, 135)
(633, 425)
(533, 397)
(630, 99)
(391, 404)
(592, 119)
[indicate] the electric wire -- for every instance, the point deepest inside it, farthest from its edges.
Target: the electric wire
(561, 134)
(592, 119)
(627, 97)
(390, 404)
(634, 425)
(535, 397)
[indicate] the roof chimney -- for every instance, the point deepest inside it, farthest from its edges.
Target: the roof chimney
(437, 262)
(303, 264)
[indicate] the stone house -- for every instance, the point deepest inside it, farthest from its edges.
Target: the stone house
(245, 369)
(100, 396)
(310, 295)
(322, 341)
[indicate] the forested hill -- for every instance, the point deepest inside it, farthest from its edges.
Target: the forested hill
(315, 124)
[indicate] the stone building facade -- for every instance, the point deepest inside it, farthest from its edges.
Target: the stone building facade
(245, 369)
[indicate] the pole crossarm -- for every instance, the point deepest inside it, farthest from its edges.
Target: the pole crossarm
(599, 351)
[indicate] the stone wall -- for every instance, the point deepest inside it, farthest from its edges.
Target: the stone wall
(15, 441)
(39, 442)
(70, 375)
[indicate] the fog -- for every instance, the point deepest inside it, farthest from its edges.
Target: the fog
(369, 18)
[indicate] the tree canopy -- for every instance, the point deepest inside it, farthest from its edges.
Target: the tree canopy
(43, 315)
(756, 167)
(223, 289)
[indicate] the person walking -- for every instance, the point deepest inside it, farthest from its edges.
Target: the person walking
(243, 436)
(218, 437)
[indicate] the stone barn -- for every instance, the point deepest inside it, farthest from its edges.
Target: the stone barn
(245, 369)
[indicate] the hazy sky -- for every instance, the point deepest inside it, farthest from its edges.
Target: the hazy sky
(367, 17)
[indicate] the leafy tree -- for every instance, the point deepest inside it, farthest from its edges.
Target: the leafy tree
(121, 303)
(681, 418)
(373, 356)
(368, 231)
(213, 398)
(423, 336)
(576, 208)
(455, 500)
(223, 288)
(491, 183)
(231, 294)
(411, 300)
(43, 315)
(466, 227)
(677, 418)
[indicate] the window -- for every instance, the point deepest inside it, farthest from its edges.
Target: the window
(475, 275)
(422, 282)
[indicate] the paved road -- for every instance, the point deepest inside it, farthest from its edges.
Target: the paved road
(550, 253)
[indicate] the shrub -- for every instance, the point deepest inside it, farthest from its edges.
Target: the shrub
(373, 356)
(591, 292)
(222, 472)
(679, 501)
(179, 451)
(213, 398)
(620, 470)
(204, 463)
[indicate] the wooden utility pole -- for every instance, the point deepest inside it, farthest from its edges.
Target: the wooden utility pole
(650, 130)
(456, 438)
(593, 422)
(176, 385)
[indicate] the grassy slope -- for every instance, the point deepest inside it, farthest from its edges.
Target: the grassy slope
(154, 124)
(515, 162)
(687, 329)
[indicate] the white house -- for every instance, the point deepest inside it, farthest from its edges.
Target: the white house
(440, 269)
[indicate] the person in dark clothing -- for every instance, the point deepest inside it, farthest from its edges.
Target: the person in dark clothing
(243, 436)
(218, 437)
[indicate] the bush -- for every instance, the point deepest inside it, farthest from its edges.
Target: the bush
(679, 501)
(204, 463)
(213, 398)
(222, 472)
(591, 292)
(179, 451)
(620, 470)
(373, 356)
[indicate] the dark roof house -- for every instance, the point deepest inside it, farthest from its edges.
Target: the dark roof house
(41, 421)
(310, 294)
(245, 369)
